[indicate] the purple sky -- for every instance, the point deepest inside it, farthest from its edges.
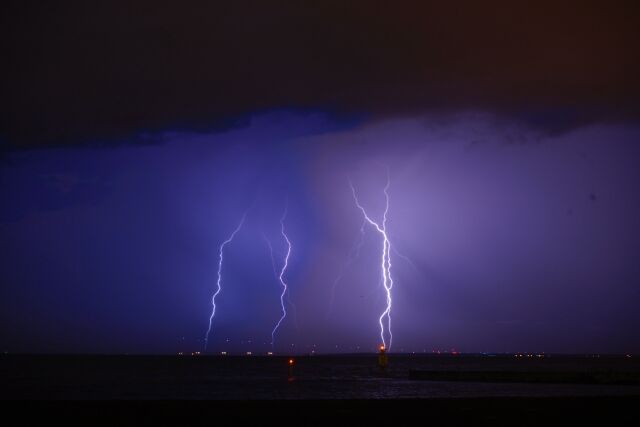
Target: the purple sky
(516, 239)
(135, 134)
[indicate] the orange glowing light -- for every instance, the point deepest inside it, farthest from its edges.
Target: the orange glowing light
(290, 362)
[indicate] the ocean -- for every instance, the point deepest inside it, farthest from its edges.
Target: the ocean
(96, 377)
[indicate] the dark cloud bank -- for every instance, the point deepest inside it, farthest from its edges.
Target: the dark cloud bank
(77, 72)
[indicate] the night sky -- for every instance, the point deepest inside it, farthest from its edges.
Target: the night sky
(135, 135)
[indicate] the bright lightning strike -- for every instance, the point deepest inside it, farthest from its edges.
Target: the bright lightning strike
(387, 280)
(219, 282)
(277, 276)
(281, 275)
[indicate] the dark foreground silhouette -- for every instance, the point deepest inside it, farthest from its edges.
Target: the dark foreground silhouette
(319, 389)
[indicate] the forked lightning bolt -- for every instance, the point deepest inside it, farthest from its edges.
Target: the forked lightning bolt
(385, 264)
(281, 276)
(219, 282)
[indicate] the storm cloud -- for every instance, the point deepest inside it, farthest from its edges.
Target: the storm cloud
(87, 73)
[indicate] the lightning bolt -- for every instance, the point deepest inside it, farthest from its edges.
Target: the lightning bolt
(385, 264)
(281, 275)
(277, 276)
(219, 282)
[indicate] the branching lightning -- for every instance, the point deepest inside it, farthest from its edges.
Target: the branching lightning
(405, 258)
(281, 275)
(387, 280)
(219, 281)
(277, 276)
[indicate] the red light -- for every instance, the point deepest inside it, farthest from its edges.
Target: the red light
(291, 362)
